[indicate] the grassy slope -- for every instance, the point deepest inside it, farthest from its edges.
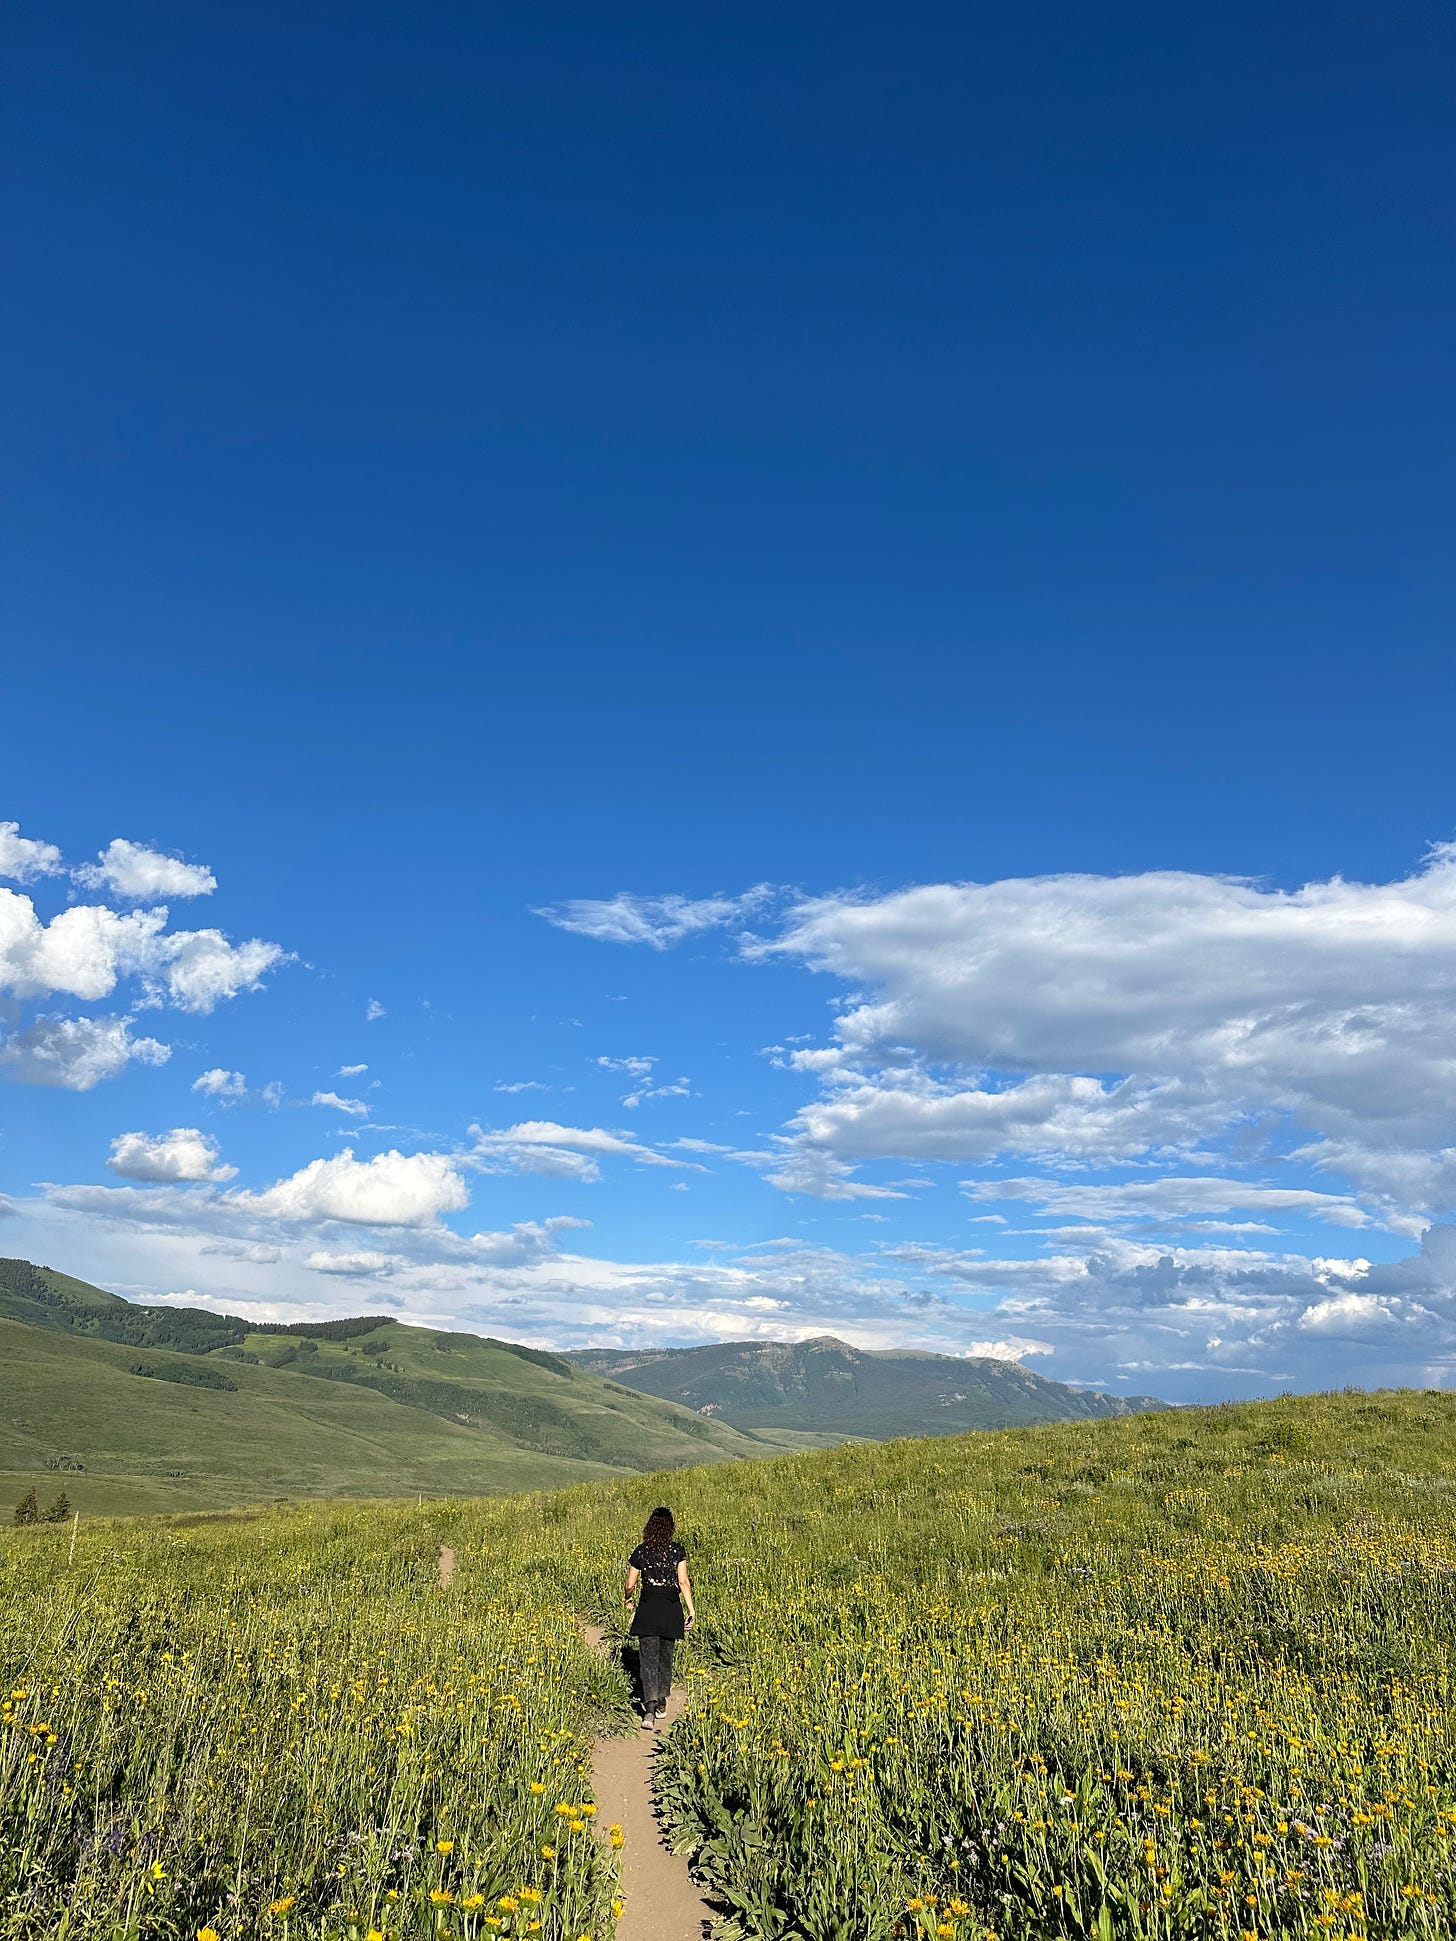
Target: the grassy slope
(828, 1387)
(155, 1444)
(391, 1411)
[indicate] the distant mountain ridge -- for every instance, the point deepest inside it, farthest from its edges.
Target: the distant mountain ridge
(153, 1407)
(825, 1385)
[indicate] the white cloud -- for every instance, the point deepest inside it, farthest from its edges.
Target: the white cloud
(658, 921)
(79, 953)
(372, 1010)
(184, 1153)
(520, 1085)
(1330, 1002)
(1083, 1020)
(640, 1070)
(76, 1053)
(84, 951)
(198, 969)
(1186, 1322)
(905, 1114)
(221, 1084)
(131, 870)
(356, 1108)
(24, 857)
(1350, 1314)
(355, 1265)
(822, 1177)
(563, 1152)
(1018, 1348)
(1167, 1199)
(350, 1071)
(391, 1189)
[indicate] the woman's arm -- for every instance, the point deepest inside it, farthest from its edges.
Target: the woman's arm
(633, 1573)
(684, 1584)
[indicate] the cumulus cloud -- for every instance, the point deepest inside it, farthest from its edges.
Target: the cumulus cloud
(1211, 1320)
(1330, 1002)
(221, 1084)
(198, 969)
(83, 952)
(372, 1010)
(393, 1189)
(24, 857)
(76, 1053)
(184, 1153)
(1087, 1021)
(132, 871)
(658, 921)
(350, 1071)
(1018, 1348)
(356, 1108)
(1347, 1313)
(80, 953)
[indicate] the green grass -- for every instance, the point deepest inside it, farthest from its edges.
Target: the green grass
(150, 1444)
(1175, 1677)
(224, 1414)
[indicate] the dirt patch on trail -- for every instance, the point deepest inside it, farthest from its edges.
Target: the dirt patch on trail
(447, 1565)
(662, 1901)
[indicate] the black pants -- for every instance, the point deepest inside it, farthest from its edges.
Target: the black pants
(655, 1657)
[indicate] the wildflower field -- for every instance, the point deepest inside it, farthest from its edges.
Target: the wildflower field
(1167, 1675)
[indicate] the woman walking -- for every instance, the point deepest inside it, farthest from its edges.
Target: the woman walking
(660, 1566)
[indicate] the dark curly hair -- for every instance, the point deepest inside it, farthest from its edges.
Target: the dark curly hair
(657, 1532)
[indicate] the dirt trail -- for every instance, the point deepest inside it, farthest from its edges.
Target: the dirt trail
(662, 1904)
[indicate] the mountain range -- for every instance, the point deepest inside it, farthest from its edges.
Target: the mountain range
(129, 1406)
(825, 1386)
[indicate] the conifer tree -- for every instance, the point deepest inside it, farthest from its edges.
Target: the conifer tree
(60, 1510)
(27, 1510)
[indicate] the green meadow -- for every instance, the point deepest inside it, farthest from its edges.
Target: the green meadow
(1179, 1674)
(137, 1409)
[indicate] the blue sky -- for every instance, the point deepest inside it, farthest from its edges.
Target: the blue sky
(920, 540)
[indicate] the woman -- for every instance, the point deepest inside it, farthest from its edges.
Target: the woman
(660, 1566)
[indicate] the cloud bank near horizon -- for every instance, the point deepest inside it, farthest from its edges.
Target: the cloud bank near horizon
(1143, 1083)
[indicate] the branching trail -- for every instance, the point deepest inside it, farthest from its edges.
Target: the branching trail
(662, 1903)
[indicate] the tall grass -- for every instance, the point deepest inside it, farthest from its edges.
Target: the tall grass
(1167, 1676)
(287, 1727)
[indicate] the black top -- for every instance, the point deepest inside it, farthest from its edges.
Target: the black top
(659, 1607)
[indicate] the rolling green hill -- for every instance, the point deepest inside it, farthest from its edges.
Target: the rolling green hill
(130, 1407)
(826, 1386)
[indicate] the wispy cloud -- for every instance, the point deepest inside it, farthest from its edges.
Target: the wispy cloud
(657, 921)
(354, 1108)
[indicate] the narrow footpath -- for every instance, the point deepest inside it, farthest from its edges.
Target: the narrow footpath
(661, 1901)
